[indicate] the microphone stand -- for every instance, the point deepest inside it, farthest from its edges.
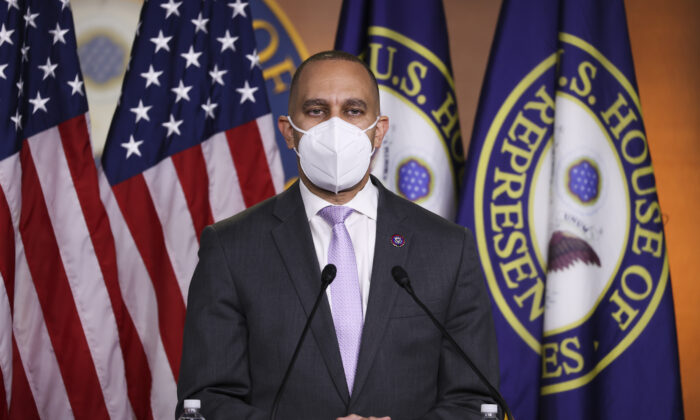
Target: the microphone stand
(401, 278)
(327, 276)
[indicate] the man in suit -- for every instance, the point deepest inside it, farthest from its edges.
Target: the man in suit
(371, 351)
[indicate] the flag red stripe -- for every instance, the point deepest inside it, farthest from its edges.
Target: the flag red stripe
(141, 217)
(22, 404)
(249, 157)
(192, 172)
(56, 298)
(76, 145)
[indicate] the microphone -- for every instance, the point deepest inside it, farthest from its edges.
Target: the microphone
(327, 276)
(401, 278)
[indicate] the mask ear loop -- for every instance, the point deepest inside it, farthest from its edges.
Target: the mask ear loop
(372, 125)
(374, 149)
(299, 129)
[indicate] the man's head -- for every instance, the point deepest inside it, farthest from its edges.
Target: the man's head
(333, 84)
(325, 56)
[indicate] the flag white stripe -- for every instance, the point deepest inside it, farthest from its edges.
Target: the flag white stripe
(5, 340)
(82, 268)
(164, 387)
(10, 182)
(35, 347)
(176, 220)
(225, 196)
(140, 300)
(10, 174)
(266, 127)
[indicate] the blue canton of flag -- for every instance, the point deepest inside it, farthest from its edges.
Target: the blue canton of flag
(405, 45)
(560, 192)
(194, 71)
(39, 72)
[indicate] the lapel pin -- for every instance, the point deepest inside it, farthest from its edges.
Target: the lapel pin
(398, 240)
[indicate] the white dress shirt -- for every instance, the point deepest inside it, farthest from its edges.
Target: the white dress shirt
(361, 225)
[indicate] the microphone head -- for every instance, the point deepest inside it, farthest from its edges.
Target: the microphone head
(400, 276)
(328, 274)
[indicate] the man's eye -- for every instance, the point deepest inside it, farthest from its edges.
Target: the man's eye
(315, 112)
(355, 112)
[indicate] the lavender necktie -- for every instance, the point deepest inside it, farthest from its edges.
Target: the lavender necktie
(345, 290)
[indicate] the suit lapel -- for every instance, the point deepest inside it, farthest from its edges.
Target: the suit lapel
(294, 242)
(383, 289)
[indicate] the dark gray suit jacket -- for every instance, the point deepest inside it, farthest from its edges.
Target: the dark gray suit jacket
(256, 281)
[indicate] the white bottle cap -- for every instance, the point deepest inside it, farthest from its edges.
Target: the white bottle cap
(489, 408)
(197, 404)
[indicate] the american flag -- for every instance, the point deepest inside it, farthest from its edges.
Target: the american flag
(191, 142)
(95, 264)
(57, 332)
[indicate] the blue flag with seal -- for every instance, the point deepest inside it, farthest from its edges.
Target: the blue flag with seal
(560, 193)
(405, 44)
(281, 52)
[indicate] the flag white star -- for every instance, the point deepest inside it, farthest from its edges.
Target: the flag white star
(12, 3)
(161, 42)
(29, 18)
(238, 8)
(254, 59)
(151, 76)
(216, 75)
(141, 112)
(172, 126)
(20, 87)
(192, 57)
(171, 8)
(200, 24)
(64, 4)
(209, 109)
(17, 119)
(227, 41)
(5, 35)
(2, 71)
(39, 103)
(247, 92)
(132, 147)
(76, 86)
(182, 92)
(58, 34)
(48, 69)
(25, 52)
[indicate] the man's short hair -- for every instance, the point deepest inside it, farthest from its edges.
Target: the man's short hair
(330, 55)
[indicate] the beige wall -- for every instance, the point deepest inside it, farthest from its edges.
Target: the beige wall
(666, 47)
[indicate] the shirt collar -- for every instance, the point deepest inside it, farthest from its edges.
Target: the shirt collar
(365, 202)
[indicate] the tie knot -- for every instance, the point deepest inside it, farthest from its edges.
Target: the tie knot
(335, 214)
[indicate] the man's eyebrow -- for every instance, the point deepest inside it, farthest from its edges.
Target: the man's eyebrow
(314, 102)
(356, 102)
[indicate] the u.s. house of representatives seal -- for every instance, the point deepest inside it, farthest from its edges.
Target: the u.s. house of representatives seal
(567, 219)
(422, 155)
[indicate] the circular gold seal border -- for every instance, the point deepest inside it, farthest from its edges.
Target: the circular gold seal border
(489, 142)
(287, 25)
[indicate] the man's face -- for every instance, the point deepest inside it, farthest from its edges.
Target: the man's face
(334, 88)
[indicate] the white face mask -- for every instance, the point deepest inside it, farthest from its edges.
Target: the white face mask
(334, 154)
